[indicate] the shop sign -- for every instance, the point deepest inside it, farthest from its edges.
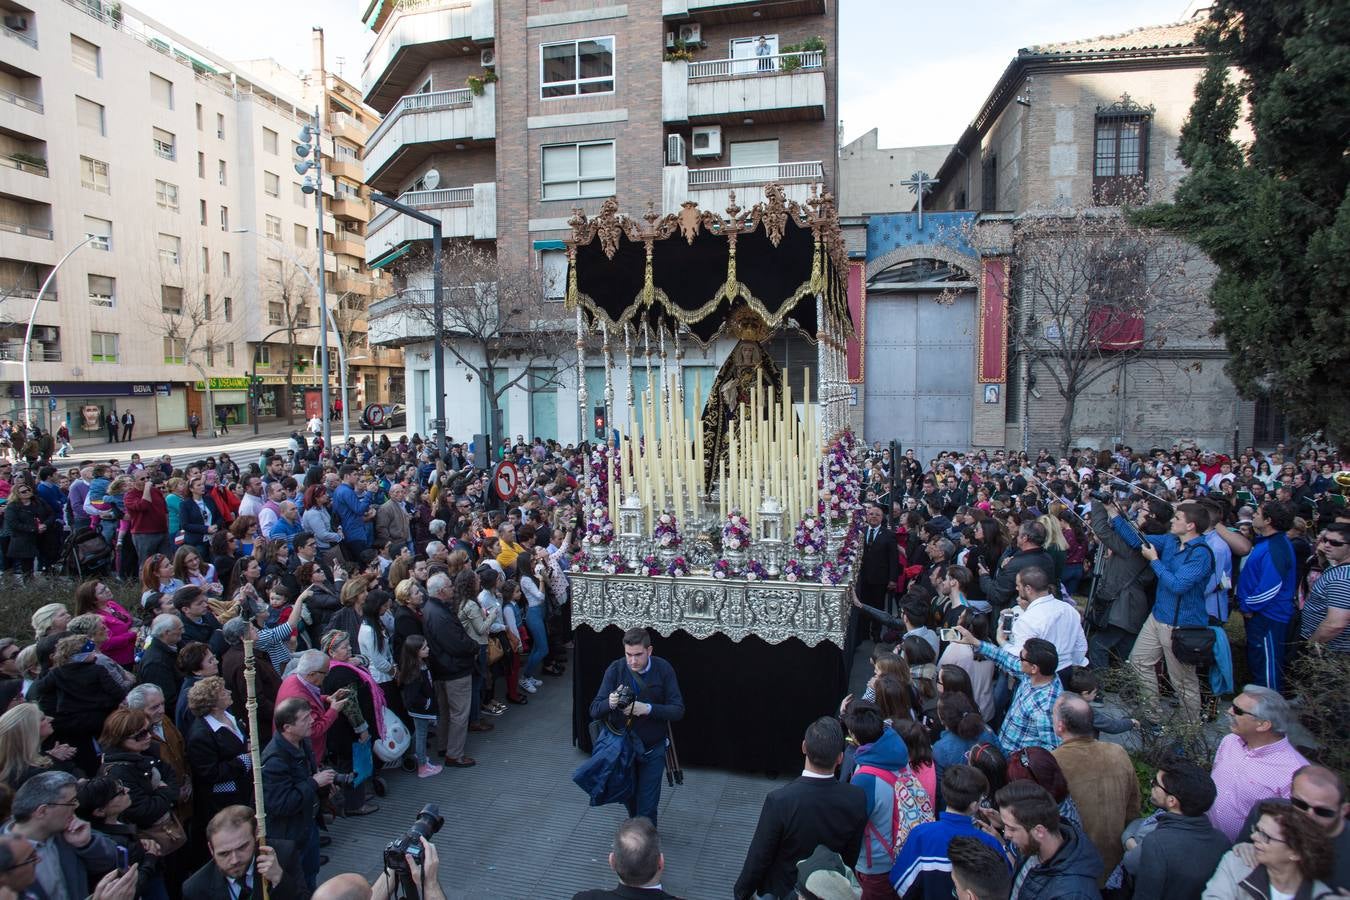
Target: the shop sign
(227, 383)
(94, 389)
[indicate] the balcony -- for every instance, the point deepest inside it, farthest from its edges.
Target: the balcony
(419, 32)
(345, 167)
(784, 87)
(402, 319)
(465, 212)
(354, 283)
(25, 165)
(37, 352)
(721, 12)
(711, 188)
(25, 178)
(349, 128)
(21, 101)
(352, 246)
(350, 209)
(420, 124)
(26, 229)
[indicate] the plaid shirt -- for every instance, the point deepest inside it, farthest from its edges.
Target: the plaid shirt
(1030, 718)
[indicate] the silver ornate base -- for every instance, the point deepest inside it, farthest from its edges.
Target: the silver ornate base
(703, 606)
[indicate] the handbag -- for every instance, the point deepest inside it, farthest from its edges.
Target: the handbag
(1193, 645)
(396, 739)
(168, 832)
(494, 652)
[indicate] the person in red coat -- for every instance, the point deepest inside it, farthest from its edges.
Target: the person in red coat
(149, 518)
(310, 671)
(96, 597)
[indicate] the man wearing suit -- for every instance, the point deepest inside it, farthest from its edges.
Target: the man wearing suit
(238, 863)
(815, 809)
(880, 567)
(638, 861)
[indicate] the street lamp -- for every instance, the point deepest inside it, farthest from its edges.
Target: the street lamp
(437, 309)
(32, 317)
(326, 315)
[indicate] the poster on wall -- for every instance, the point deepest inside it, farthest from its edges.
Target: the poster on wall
(313, 404)
(91, 417)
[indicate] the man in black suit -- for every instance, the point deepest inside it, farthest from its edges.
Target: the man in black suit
(638, 861)
(237, 862)
(797, 818)
(879, 569)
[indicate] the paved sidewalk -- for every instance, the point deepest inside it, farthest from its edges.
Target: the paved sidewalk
(241, 443)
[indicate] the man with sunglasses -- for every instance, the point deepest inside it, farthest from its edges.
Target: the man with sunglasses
(18, 865)
(1319, 794)
(1326, 613)
(1173, 853)
(1256, 761)
(67, 848)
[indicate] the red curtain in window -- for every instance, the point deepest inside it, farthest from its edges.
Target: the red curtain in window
(1113, 328)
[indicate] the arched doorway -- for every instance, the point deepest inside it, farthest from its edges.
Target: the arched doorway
(920, 350)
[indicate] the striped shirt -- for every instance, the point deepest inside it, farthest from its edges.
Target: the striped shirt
(1330, 591)
(1246, 776)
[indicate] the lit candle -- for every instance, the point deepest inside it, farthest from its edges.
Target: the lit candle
(613, 488)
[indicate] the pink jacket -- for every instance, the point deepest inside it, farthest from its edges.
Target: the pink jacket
(121, 644)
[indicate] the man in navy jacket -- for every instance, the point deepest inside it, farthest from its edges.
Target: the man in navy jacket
(657, 701)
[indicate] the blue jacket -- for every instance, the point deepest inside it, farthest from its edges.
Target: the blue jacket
(1269, 578)
(1182, 571)
(287, 530)
(922, 871)
(890, 754)
(951, 750)
(659, 687)
(351, 509)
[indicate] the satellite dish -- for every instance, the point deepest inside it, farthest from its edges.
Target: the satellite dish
(432, 179)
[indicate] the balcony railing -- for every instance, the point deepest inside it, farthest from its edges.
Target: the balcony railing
(419, 103)
(107, 301)
(165, 151)
(19, 100)
(36, 352)
(36, 231)
(774, 64)
(728, 175)
(460, 196)
(30, 293)
(31, 168)
(20, 36)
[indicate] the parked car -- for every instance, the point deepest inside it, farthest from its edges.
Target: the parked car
(385, 415)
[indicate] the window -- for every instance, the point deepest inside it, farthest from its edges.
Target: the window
(102, 347)
(227, 305)
(224, 218)
(171, 300)
(225, 268)
(164, 144)
(302, 316)
(275, 313)
(270, 141)
(201, 164)
(220, 126)
(210, 353)
(345, 191)
(206, 307)
(425, 88)
(229, 354)
(206, 267)
(298, 195)
(264, 355)
(199, 117)
(169, 248)
(175, 350)
(578, 170)
(161, 91)
(570, 68)
(272, 184)
(989, 183)
(301, 236)
(1120, 155)
(345, 153)
(86, 55)
(202, 210)
(272, 227)
(103, 292)
(553, 271)
(166, 195)
(90, 115)
(94, 174)
(220, 171)
(100, 230)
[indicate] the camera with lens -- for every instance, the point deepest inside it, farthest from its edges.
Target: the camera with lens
(344, 779)
(625, 694)
(427, 823)
(1102, 495)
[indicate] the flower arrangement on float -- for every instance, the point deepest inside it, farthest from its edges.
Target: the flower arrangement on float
(736, 532)
(679, 566)
(666, 534)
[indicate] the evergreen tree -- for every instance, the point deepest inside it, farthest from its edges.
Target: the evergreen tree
(1273, 212)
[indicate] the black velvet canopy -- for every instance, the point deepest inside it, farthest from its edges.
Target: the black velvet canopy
(694, 267)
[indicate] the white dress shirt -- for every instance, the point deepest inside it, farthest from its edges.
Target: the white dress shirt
(1054, 620)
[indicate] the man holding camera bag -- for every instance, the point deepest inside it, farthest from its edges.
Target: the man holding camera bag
(640, 692)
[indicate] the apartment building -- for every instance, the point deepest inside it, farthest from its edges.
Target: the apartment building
(177, 166)
(503, 116)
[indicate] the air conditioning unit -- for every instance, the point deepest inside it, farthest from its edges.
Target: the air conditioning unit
(488, 57)
(670, 40)
(674, 150)
(707, 141)
(16, 23)
(691, 33)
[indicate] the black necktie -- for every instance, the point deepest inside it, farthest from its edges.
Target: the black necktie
(871, 535)
(245, 893)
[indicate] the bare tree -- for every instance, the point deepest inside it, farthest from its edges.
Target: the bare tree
(1091, 293)
(291, 307)
(496, 317)
(189, 311)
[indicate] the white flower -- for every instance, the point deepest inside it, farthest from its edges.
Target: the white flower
(750, 576)
(719, 574)
(791, 577)
(665, 540)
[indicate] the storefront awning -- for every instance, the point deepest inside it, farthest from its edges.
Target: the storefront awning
(388, 258)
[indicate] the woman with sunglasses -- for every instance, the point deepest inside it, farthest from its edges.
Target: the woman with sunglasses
(1289, 856)
(128, 756)
(24, 526)
(102, 802)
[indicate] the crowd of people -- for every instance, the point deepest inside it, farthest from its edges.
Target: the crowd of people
(1000, 592)
(391, 613)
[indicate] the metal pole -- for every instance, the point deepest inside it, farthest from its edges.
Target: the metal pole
(323, 294)
(342, 367)
(32, 317)
(210, 398)
(253, 380)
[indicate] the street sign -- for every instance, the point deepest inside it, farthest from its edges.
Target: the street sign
(505, 480)
(374, 414)
(51, 404)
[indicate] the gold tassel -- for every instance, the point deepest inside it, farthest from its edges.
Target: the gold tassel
(648, 285)
(732, 289)
(572, 293)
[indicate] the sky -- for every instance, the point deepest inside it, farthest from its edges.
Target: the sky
(917, 72)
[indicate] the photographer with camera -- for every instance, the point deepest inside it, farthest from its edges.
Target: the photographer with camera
(1122, 595)
(291, 783)
(424, 876)
(641, 692)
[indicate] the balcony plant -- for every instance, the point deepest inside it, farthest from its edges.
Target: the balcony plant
(29, 159)
(477, 83)
(682, 51)
(788, 63)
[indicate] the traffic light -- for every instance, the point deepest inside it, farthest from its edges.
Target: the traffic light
(600, 423)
